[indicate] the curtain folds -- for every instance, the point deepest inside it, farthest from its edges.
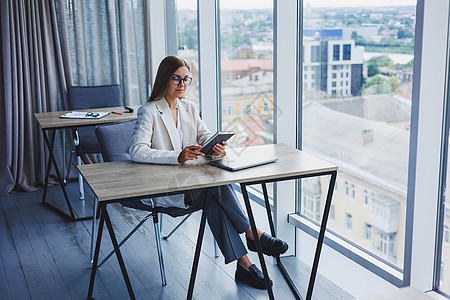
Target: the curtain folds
(28, 84)
(49, 45)
(106, 42)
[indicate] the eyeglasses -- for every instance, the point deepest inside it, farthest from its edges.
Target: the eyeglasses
(177, 80)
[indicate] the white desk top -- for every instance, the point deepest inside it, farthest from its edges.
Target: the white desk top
(126, 179)
(52, 120)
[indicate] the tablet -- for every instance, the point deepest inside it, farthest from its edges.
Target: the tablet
(218, 137)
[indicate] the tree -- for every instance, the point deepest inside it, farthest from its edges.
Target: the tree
(381, 61)
(372, 70)
(377, 86)
(404, 33)
(393, 82)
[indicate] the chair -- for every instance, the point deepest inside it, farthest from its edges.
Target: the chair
(115, 140)
(84, 138)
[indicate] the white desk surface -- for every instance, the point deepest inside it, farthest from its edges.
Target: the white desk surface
(126, 179)
(52, 120)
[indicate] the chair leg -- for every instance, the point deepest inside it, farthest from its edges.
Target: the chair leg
(124, 240)
(63, 172)
(176, 227)
(80, 180)
(158, 246)
(69, 166)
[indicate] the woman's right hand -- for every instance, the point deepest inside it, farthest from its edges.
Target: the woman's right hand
(190, 153)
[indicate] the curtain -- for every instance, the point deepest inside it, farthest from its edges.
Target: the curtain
(107, 42)
(49, 45)
(31, 71)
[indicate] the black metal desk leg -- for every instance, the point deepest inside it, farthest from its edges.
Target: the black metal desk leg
(52, 161)
(286, 276)
(104, 214)
(49, 161)
(198, 248)
(97, 250)
(323, 227)
(257, 242)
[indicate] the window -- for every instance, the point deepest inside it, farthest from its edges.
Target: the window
(348, 222)
(231, 110)
(347, 52)
(344, 122)
(315, 53)
(367, 232)
(336, 52)
(331, 212)
(246, 48)
(365, 198)
(187, 42)
(346, 188)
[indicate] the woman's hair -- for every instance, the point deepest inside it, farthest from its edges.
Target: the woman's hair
(165, 70)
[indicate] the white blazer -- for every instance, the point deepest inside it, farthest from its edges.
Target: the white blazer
(155, 135)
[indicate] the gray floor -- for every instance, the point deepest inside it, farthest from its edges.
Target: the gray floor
(44, 256)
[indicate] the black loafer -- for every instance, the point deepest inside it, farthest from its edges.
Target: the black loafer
(253, 277)
(271, 246)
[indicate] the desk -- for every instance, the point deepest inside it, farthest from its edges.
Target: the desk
(126, 180)
(49, 123)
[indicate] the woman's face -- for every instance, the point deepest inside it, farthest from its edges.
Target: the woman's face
(177, 90)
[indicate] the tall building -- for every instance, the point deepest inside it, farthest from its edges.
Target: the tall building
(333, 66)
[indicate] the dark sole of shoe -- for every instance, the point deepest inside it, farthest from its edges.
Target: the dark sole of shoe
(274, 253)
(245, 279)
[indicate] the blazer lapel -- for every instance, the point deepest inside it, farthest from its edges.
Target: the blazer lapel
(166, 117)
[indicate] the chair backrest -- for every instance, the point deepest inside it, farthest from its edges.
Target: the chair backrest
(85, 97)
(115, 139)
(82, 97)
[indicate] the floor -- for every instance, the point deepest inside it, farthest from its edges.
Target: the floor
(44, 256)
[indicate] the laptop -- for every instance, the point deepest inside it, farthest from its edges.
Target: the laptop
(235, 162)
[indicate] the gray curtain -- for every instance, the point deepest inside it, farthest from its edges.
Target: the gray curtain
(107, 42)
(49, 45)
(31, 73)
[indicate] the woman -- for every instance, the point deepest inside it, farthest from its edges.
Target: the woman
(169, 131)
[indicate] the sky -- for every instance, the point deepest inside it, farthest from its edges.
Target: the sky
(251, 4)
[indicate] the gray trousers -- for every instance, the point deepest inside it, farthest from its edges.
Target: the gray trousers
(225, 217)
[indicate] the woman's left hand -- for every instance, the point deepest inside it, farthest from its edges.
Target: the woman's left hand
(219, 149)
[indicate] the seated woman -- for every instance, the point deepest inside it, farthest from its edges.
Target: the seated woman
(169, 131)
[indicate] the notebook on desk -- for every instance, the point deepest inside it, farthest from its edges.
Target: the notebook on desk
(237, 162)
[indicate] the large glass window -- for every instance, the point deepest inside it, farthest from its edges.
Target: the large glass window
(187, 42)
(362, 125)
(246, 50)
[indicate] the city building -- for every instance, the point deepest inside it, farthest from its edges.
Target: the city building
(333, 66)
